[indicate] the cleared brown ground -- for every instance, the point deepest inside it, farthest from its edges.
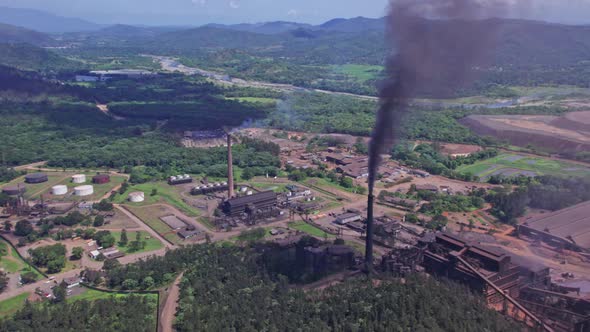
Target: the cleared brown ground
(570, 132)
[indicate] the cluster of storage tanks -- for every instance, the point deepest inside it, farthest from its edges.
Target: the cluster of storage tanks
(209, 188)
(180, 179)
(81, 191)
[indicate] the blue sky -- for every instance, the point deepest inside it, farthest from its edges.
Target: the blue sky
(197, 12)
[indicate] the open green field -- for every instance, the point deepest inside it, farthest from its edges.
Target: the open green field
(309, 229)
(93, 295)
(254, 100)
(151, 216)
(151, 243)
(11, 262)
(165, 193)
(514, 164)
(359, 72)
(9, 306)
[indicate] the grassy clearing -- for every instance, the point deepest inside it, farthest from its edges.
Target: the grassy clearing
(12, 263)
(93, 295)
(309, 229)
(9, 306)
(151, 243)
(165, 193)
(541, 166)
(359, 72)
(254, 100)
(151, 216)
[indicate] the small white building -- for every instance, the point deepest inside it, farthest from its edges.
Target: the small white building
(346, 218)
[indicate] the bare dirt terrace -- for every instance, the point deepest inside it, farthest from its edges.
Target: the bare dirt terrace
(570, 132)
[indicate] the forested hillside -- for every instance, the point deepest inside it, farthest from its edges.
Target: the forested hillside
(128, 313)
(232, 288)
(13, 34)
(29, 57)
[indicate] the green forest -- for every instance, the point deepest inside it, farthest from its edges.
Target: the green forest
(247, 288)
(125, 313)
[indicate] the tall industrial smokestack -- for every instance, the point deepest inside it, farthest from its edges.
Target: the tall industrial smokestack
(230, 168)
(369, 242)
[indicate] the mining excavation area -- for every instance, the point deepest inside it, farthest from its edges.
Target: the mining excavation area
(570, 132)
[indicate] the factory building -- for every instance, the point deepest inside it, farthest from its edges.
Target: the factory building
(346, 218)
(447, 255)
(327, 259)
(14, 190)
(568, 228)
(420, 173)
(266, 200)
(101, 179)
(36, 178)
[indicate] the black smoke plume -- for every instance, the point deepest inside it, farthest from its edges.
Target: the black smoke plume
(438, 45)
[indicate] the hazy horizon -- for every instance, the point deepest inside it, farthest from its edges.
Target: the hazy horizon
(199, 12)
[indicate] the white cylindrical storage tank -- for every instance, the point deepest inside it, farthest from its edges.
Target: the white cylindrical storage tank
(84, 190)
(136, 197)
(244, 189)
(79, 178)
(224, 183)
(249, 193)
(59, 190)
(173, 178)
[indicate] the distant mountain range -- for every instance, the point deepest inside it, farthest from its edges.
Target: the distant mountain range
(357, 24)
(44, 22)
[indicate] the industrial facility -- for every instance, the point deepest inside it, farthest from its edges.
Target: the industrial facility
(136, 197)
(14, 190)
(249, 205)
(79, 178)
(59, 190)
(179, 179)
(209, 188)
(85, 190)
(101, 179)
(568, 228)
(33, 178)
(519, 290)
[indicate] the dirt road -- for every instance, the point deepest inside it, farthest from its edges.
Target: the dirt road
(168, 311)
(30, 166)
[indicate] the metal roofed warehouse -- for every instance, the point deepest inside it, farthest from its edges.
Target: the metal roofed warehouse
(569, 227)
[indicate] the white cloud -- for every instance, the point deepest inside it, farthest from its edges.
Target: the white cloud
(293, 12)
(234, 4)
(200, 2)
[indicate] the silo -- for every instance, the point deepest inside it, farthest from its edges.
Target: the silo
(101, 179)
(84, 190)
(59, 190)
(136, 197)
(36, 178)
(14, 190)
(79, 178)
